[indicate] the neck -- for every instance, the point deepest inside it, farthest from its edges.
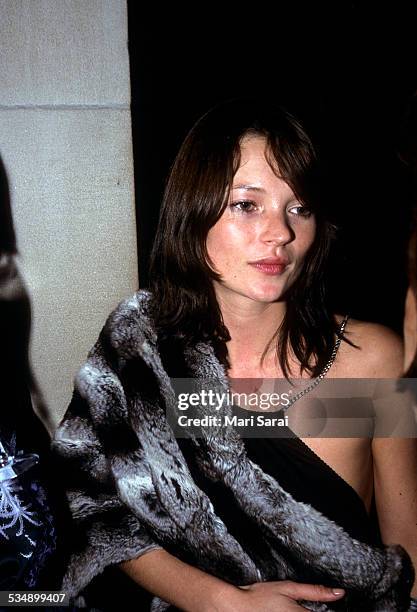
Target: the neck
(251, 326)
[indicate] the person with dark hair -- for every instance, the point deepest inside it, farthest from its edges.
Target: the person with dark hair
(407, 151)
(28, 526)
(211, 520)
(410, 314)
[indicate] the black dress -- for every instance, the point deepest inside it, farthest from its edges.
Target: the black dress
(301, 473)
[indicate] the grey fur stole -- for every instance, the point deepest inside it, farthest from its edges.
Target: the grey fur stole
(130, 489)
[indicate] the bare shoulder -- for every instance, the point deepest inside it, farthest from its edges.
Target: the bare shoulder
(377, 351)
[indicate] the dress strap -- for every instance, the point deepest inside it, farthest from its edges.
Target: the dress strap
(342, 326)
(326, 368)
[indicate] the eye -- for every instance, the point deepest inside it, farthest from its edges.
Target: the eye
(245, 206)
(300, 210)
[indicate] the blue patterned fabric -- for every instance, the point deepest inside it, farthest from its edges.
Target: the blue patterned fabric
(26, 545)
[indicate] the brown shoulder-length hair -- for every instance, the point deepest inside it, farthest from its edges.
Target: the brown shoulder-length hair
(197, 192)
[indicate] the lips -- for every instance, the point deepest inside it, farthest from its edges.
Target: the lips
(270, 265)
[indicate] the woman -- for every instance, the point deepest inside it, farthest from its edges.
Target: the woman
(410, 315)
(28, 502)
(410, 329)
(407, 152)
(237, 293)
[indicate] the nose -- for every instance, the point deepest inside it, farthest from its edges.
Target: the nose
(276, 229)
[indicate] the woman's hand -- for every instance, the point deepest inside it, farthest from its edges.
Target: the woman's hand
(192, 590)
(272, 597)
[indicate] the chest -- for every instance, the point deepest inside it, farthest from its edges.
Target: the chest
(350, 458)
(338, 430)
(335, 422)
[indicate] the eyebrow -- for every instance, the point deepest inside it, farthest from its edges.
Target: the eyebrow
(248, 187)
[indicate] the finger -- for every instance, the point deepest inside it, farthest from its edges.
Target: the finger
(313, 592)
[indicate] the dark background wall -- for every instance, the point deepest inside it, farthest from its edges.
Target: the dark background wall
(347, 70)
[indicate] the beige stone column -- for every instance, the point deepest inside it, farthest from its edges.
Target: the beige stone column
(65, 140)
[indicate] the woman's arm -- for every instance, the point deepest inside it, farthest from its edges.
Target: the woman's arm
(394, 458)
(395, 474)
(192, 590)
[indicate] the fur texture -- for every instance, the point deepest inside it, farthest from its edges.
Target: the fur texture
(130, 489)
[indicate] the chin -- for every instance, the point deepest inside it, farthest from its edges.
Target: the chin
(267, 296)
(255, 293)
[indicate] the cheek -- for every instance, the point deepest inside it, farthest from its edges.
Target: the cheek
(305, 237)
(226, 242)
(410, 328)
(410, 317)
(216, 245)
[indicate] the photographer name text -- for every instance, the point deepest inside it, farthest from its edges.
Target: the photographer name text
(254, 420)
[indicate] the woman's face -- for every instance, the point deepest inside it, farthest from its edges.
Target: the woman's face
(410, 328)
(259, 243)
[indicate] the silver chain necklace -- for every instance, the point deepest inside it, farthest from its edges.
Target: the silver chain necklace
(325, 369)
